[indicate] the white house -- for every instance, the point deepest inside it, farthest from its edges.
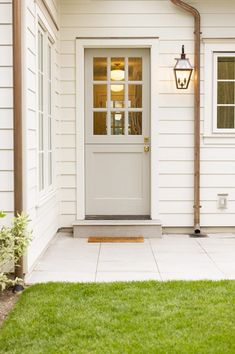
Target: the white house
(105, 133)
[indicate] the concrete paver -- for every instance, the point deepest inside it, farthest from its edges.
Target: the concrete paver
(173, 257)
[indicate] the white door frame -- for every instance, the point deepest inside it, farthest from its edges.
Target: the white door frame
(81, 45)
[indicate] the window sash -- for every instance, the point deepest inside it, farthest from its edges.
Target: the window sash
(111, 106)
(222, 92)
(45, 120)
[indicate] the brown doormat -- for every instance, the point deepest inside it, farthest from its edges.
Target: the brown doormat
(138, 239)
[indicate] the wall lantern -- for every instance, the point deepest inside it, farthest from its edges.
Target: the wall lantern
(183, 71)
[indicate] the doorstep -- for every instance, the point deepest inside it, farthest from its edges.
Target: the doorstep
(117, 228)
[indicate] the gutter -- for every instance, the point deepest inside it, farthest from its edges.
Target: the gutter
(17, 117)
(197, 53)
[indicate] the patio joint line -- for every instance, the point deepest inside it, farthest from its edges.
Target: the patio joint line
(98, 258)
(155, 259)
(212, 260)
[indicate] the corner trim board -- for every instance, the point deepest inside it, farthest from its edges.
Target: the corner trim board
(17, 115)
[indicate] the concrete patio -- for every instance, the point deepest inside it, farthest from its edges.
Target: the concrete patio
(173, 257)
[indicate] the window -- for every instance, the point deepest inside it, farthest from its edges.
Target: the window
(44, 105)
(224, 91)
(117, 95)
(219, 91)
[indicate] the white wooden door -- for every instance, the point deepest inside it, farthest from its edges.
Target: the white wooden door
(117, 132)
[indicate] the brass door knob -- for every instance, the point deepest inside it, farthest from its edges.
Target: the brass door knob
(146, 148)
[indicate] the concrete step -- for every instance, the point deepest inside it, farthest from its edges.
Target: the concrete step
(117, 228)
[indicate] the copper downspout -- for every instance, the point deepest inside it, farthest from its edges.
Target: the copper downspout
(17, 117)
(197, 52)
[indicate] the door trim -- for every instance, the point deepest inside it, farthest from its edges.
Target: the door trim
(81, 45)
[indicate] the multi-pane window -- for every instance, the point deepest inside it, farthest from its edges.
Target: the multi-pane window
(49, 109)
(224, 95)
(117, 96)
(44, 71)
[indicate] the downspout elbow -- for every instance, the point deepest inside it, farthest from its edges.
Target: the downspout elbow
(187, 7)
(197, 229)
(193, 11)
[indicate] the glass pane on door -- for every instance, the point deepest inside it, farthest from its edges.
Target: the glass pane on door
(135, 69)
(117, 123)
(135, 96)
(99, 123)
(135, 123)
(117, 69)
(99, 69)
(117, 96)
(100, 96)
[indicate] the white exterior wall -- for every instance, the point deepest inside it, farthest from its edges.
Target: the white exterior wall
(6, 111)
(174, 27)
(43, 213)
(104, 18)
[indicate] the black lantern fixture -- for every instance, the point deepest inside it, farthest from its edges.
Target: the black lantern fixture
(183, 71)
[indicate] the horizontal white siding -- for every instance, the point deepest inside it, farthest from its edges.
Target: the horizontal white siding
(54, 8)
(174, 27)
(6, 112)
(44, 214)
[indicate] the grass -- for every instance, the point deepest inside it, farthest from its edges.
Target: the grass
(141, 317)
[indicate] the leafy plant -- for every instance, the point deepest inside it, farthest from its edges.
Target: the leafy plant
(13, 244)
(7, 247)
(6, 282)
(2, 214)
(21, 235)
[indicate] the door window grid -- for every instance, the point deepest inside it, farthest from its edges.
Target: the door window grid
(123, 104)
(224, 94)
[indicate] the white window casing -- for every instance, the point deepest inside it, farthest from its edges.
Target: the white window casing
(214, 49)
(45, 104)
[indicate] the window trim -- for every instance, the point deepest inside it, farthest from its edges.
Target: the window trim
(43, 26)
(213, 135)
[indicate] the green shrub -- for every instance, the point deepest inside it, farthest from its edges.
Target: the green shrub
(14, 241)
(2, 214)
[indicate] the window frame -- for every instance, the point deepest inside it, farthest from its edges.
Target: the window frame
(217, 55)
(44, 28)
(212, 49)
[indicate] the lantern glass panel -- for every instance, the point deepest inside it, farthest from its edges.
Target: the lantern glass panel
(182, 78)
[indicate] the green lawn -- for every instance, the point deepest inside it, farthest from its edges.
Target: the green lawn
(141, 317)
